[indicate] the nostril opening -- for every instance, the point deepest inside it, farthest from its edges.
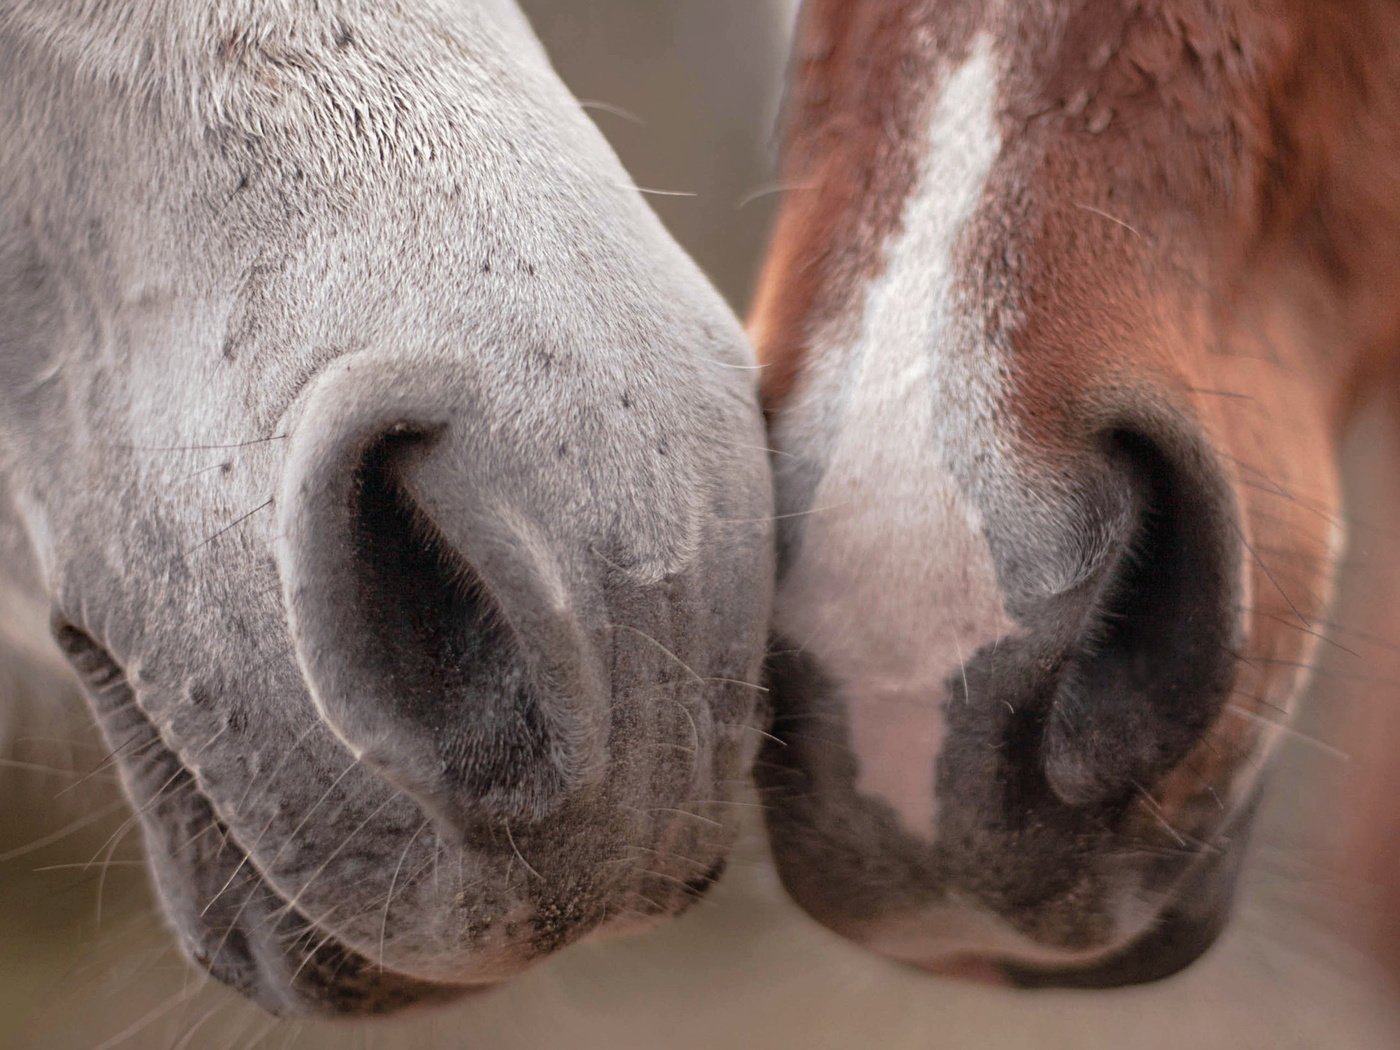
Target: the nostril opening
(439, 624)
(413, 587)
(426, 626)
(1145, 614)
(1154, 664)
(428, 641)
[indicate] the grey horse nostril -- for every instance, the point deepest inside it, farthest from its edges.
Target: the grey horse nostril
(434, 632)
(1155, 659)
(437, 638)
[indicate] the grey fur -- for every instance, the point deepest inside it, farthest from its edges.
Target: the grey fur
(241, 245)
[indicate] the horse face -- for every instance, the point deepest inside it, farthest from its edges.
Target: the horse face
(1053, 365)
(394, 482)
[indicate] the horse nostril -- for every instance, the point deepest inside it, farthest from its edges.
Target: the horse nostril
(1154, 663)
(435, 631)
(438, 638)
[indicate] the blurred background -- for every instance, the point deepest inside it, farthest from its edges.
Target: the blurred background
(687, 91)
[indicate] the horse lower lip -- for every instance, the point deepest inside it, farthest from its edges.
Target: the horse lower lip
(1176, 942)
(221, 931)
(326, 977)
(329, 979)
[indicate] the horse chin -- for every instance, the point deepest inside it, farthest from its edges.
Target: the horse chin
(1171, 945)
(1148, 945)
(1196, 913)
(1172, 942)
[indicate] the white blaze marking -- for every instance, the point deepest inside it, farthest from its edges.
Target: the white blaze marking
(894, 587)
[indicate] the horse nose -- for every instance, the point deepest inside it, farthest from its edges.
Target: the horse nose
(1151, 657)
(438, 627)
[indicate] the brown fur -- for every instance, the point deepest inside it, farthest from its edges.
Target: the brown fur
(849, 158)
(1229, 164)
(1197, 204)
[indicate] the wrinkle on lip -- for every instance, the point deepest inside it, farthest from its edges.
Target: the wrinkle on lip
(232, 921)
(268, 949)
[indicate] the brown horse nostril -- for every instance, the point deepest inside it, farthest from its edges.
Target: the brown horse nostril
(1155, 660)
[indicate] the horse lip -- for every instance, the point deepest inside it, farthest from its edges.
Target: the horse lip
(234, 952)
(229, 919)
(249, 960)
(1172, 945)
(1186, 928)
(232, 962)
